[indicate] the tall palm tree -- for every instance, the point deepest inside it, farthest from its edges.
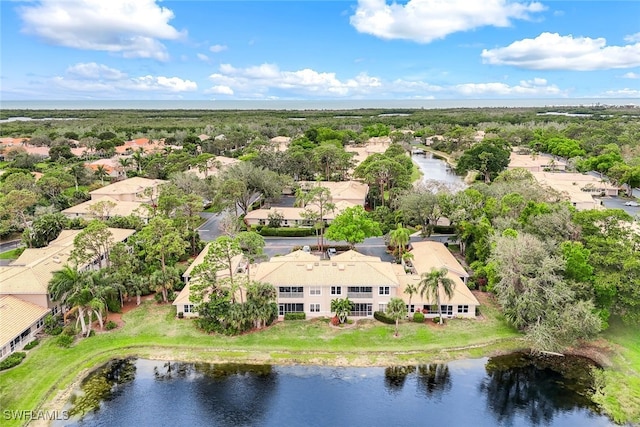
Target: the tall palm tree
(70, 287)
(410, 290)
(399, 238)
(432, 282)
(101, 173)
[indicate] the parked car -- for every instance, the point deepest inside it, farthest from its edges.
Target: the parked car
(632, 203)
(306, 248)
(331, 252)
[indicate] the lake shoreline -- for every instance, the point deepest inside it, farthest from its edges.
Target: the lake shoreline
(596, 353)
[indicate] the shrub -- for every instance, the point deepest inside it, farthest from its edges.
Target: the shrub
(12, 360)
(31, 344)
(158, 297)
(382, 317)
(418, 317)
(436, 319)
(295, 316)
(287, 232)
(64, 340)
(52, 325)
(69, 331)
(335, 321)
(111, 325)
(181, 315)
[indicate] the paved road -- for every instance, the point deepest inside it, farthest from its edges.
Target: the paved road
(210, 230)
(616, 203)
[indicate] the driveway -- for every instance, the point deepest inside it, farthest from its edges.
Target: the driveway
(616, 203)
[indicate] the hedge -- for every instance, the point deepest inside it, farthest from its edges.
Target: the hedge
(287, 232)
(31, 344)
(12, 360)
(444, 229)
(382, 317)
(418, 317)
(295, 316)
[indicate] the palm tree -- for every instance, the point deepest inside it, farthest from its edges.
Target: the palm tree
(71, 288)
(399, 238)
(431, 283)
(410, 290)
(396, 309)
(101, 173)
(342, 307)
(260, 297)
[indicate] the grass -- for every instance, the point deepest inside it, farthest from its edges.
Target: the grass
(620, 394)
(151, 331)
(12, 254)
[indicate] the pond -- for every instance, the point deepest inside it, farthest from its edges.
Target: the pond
(436, 169)
(511, 390)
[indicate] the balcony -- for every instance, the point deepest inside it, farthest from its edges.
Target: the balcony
(360, 294)
(290, 294)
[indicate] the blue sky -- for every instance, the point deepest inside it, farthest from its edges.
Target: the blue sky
(366, 49)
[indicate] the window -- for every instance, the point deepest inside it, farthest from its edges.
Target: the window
(382, 307)
(383, 290)
(360, 289)
(463, 309)
(290, 308)
(188, 308)
(336, 290)
(315, 290)
(314, 308)
(362, 309)
(411, 308)
(447, 310)
(40, 323)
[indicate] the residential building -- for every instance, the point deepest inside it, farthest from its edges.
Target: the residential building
(344, 194)
(536, 163)
(183, 303)
(307, 283)
(26, 279)
(134, 189)
(578, 188)
(106, 207)
(429, 255)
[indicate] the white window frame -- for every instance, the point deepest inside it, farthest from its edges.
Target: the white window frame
(314, 308)
(384, 290)
(315, 290)
(336, 290)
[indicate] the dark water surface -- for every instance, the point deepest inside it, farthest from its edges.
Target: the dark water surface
(512, 390)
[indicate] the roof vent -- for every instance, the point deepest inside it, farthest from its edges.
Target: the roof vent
(56, 259)
(340, 266)
(309, 267)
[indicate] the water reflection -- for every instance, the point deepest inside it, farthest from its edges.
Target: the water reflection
(434, 380)
(514, 390)
(537, 388)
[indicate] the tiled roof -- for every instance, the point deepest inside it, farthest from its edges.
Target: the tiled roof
(17, 315)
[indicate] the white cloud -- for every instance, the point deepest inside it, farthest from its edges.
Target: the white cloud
(535, 87)
(202, 57)
(631, 75)
(93, 71)
(268, 80)
(217, 48)
(623, 93)
(131, 28)
(256, 81)
(551, 51)
(424, 21)
(632, 38)
(92, 77)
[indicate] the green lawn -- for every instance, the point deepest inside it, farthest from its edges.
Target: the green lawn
(621, 392)
(12, 254)
(152, 331)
